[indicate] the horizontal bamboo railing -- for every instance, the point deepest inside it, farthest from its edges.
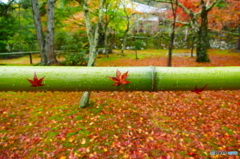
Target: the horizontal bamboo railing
(56, 78)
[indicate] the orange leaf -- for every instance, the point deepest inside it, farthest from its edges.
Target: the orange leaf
(119, 79)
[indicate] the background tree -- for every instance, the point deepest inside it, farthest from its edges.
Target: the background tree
(93, 35)
(51, 58)
(174, 5)
(45, 45)
(112, 15)
(225, 19)
(197, 10)
(127, 17)
(202, 39)
(8, 24)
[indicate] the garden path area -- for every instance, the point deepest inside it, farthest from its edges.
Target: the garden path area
(120, 125)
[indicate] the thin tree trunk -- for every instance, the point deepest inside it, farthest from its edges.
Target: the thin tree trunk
(40, 36)
(186, 34)
(172, 36)
(51, 58)
(124, 40)
(126, 32)
(170, 48)
(106, 43)
(136, 54)
(192, 45)
(93, 41)
(238, 43)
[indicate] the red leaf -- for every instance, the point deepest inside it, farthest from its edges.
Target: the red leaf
(192, 154)
(119, 79)
(36, 82)
(196, 90)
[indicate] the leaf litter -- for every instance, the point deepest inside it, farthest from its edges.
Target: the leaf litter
(121, 124)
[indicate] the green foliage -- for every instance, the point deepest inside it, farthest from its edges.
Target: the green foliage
(60, 40)
(8, 25)
(138, 44)
(25, 4)
(221, 4)
(73, 49)
(70, 42)
(17, 31)
(75, 59)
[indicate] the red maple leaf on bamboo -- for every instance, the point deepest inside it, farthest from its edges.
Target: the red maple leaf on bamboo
(120, 78)
(36, 82)
(198, 91)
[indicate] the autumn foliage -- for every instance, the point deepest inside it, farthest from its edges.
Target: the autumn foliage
(225, 17)
(198, 91)
(123, 124)
(120, 78)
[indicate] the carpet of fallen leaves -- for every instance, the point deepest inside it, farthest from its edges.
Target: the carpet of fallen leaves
(132, 125)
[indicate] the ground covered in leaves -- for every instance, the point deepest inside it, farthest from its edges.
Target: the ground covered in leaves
(123, 124)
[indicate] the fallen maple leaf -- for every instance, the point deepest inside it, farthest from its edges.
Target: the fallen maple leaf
(120, 78)
(36, 82)
(196, 90)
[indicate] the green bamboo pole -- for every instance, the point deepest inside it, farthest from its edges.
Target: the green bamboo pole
(14, 78)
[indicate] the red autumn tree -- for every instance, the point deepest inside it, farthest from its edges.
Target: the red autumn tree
(226, 17)
(195, 12)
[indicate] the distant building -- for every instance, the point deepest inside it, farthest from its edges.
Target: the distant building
(147, 18)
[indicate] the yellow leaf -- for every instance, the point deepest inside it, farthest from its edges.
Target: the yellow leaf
(125, 156)
(105, 149)
(71, 139)
(150, 138)
(63, 157)
(83, 141)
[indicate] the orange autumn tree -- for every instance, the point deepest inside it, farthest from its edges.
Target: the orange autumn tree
(226, 17)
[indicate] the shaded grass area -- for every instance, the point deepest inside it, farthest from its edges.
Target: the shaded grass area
(159, 58)
(123, 124)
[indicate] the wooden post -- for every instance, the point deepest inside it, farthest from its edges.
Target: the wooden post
(30, 57)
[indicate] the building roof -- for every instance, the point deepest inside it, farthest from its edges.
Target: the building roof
(144, 8)
(155, 18)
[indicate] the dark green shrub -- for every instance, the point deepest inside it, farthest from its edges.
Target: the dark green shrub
(75, 59)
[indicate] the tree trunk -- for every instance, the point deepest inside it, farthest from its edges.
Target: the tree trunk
(13, 78)
(186, 35)
(170, 48)
(124, 41)
(93, 41)
(106, 43)
(51, 58)
(203, 40)
(136, 54)
(126, 32)
(40, 36)
(192, 45)
(172, 36)
(238, 43)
